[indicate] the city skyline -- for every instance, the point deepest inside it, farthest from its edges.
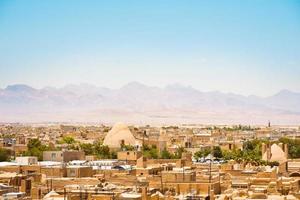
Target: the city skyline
(248, 48)
(150, 100)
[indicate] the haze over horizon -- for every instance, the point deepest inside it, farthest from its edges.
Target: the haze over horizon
(242, 47)
(179, 85)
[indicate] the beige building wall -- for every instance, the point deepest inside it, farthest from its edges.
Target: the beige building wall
(53, 156)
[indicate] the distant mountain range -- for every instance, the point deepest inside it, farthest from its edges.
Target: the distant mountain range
(138, 103)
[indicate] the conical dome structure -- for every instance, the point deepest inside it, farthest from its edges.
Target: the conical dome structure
(119, 134)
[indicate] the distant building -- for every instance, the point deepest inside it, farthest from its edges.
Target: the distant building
(53, 156)
(79, 171)
(63, 156)
(129, 155)
(27, 160)
(275, 152)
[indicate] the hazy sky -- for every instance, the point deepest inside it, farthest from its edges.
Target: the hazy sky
(246, 47)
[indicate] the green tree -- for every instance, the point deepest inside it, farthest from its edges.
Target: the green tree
(178, 153)
(229, 155)
(153, 153)
(202, 153)
(217, 152)
(4, 154)
(68, 140)
(251, 153)
(36, 148)
(32, 143)
(273, 163)
(165, 154)
(127, 147)
(150, 152)
(87, 148)
(113, 155)
(293, 146)
(102, 151)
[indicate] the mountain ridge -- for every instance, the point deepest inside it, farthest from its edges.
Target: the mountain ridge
(138, 102)
(21, 86)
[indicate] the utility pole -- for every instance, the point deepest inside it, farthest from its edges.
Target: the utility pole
(183, 174)
(209, 179)
(80, 192)
(144, 133)
(64, 193)
(161, 182)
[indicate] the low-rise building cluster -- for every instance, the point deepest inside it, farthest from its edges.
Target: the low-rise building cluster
(91, 162)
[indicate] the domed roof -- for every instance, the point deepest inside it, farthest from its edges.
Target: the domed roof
(119, 132)
(51, 194)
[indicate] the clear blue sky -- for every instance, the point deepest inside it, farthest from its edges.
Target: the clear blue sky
(245, 47)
